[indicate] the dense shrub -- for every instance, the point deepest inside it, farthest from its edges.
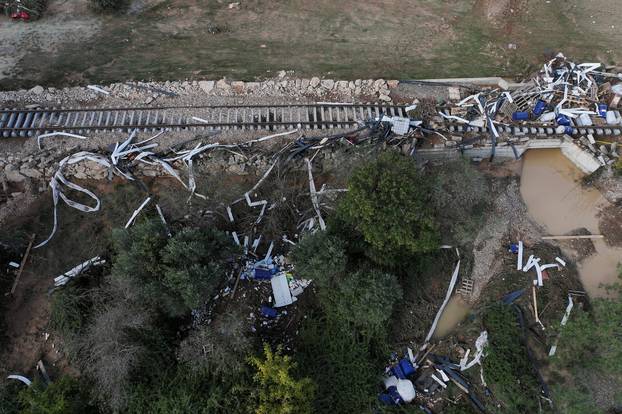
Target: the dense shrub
(461, 199)
(507, 367)
(70, 309)
(109, 5)
(364, 301)
(278, 391)
(341, 364)
(388, 203)
(184, 390)
(219, 348)
(173, 275)
(63, 396)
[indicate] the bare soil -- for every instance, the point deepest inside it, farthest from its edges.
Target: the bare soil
(179, 39)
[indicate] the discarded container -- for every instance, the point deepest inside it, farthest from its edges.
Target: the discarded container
(611, 118)
(520, 116)
(564, 130)
(584, 120)
(403, 369)
(547, 117)
(562, 120)
(280, 290)
(262, 273)
(269, 312)
(539, 108)
(602, 110)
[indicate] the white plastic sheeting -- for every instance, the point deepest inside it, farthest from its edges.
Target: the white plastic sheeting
(280, 290)
(480, 344)
(563, 323)
(452, 285)
(70, 274)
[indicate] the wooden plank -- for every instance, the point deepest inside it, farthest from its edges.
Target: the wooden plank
(579, 236)
(21, 267)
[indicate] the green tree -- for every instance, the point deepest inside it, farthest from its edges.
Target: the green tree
(279, 392)
(320, 257)
(389, 204)
(63, 396)
(461, 199)
(365, 300)
(174, 274)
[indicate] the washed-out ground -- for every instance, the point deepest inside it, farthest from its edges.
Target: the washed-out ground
(183, 39)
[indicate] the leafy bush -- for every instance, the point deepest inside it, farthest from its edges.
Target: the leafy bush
(183, 390)
(173, 275)
(593, 339)
(278, 392)
(70, 309)
(461, 197)
(341, 364)
(507, 367)
(112, 353)
(388, 203)
(571, 400)
(63, 396)
(364, 300)
(321, 258)
(219, 348)
(9, 400)
(109, 5)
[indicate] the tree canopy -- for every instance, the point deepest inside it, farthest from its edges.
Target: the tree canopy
(388, 203)
(174, 274)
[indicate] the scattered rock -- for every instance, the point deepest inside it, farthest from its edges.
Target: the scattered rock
(37, 90)
(12, 174)
(392, 84)
(281, 74)
(206, 86)
(315, 82)
(30, 172)
(385, 98)
(223, 84)
(238, 86)
(328, 84)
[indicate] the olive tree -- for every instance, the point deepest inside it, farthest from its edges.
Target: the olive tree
(388, 202)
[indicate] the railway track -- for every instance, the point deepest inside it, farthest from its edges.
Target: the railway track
(30, 122)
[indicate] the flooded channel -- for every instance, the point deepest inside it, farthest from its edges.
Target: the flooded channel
(552, 191)
(455, 311)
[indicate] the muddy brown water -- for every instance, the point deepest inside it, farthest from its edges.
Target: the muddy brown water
(555, 198)
(455, 311)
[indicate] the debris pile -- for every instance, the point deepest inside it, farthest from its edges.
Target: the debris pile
(561, 98)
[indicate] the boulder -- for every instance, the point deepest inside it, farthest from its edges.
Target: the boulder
(315, 82)
(206, 86)
(12, 174)
(37, 90)
(328, 84)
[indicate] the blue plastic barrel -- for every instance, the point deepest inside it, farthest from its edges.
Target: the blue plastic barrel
(602, 110)
(520, 116)
(539, 108)
(562, 120)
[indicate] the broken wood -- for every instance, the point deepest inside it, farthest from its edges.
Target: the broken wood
(21, 267)
(578, 236)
